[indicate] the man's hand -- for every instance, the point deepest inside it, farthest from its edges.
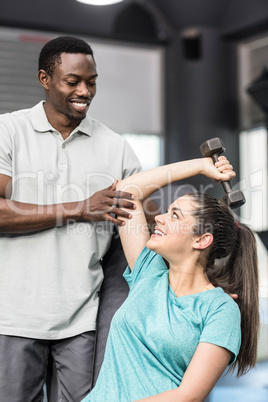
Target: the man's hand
(103, 203)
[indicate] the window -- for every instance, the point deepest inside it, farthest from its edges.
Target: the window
(147, 148)
(253, 171)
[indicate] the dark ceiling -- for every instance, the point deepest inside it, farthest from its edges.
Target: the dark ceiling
(146, 20)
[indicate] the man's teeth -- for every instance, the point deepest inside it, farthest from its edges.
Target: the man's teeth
(158, 232)
(80, 104)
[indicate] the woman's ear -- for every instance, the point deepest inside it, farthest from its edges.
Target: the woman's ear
(43, 78)
(203, 241)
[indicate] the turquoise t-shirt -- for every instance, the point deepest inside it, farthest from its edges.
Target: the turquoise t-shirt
(154, 334)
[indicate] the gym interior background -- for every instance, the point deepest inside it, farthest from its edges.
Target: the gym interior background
(172, 74)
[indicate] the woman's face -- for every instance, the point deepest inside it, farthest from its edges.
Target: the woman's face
(173, 234)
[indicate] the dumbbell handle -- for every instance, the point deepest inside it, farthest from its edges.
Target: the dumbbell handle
(225, 184)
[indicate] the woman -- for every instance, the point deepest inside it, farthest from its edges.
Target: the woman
(178, 329)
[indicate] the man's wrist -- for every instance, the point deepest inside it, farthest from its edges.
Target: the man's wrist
(71, 211)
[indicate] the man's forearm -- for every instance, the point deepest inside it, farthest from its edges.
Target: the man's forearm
(18, 217)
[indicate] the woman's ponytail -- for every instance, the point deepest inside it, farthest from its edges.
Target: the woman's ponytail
(231, 263)
(244, 280)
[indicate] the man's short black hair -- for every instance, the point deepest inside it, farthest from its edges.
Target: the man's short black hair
(50, 54)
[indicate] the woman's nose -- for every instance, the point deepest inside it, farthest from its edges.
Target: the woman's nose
(160, 218)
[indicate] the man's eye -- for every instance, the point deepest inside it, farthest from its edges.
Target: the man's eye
(72, 84)
(174, 215)
(92, 84)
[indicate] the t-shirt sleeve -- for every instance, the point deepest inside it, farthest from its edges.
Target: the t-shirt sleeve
(223, 327)
(5, 150)
(131, 163)
(148, 264)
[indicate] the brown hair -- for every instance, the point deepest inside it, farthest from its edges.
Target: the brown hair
(231, 263)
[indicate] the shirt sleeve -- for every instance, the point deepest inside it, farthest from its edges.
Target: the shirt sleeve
(5, 150)
(148, 264)
(131, 163)
(223, 327)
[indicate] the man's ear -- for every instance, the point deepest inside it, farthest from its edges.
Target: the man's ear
(203, 241)
(44, 79)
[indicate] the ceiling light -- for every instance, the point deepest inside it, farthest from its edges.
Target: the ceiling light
(100, 2)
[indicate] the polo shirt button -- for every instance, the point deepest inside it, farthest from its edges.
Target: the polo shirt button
(63, 145)
(62, 166)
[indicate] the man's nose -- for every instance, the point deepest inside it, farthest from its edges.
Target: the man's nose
(83, 90)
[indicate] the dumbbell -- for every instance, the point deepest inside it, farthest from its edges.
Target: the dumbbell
(213, 148)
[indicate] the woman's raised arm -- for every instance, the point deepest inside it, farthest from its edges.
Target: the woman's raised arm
(134, 233)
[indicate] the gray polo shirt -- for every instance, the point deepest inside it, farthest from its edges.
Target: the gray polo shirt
(50, 280)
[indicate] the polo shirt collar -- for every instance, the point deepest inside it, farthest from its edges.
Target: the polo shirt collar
(40, 122)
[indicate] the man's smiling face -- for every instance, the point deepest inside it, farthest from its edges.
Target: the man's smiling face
(72, 86)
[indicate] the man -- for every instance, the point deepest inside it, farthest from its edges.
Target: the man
(56, 225)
